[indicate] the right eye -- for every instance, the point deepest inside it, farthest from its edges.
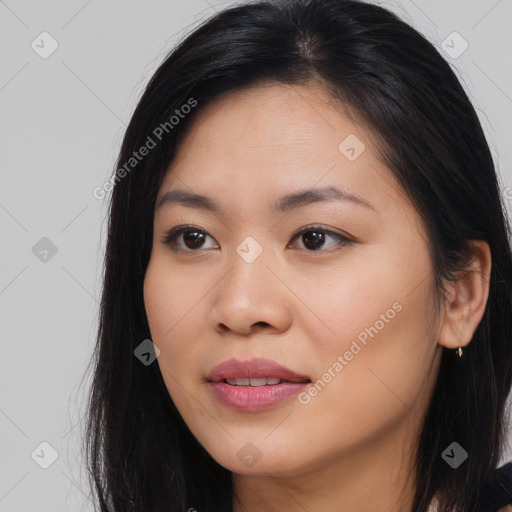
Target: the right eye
(194, 238)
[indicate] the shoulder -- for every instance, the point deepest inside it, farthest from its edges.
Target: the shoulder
(496, 495)
(497, 491)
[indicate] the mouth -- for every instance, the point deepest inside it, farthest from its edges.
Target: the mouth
(254, 372)
(254, 385)
(260, 381)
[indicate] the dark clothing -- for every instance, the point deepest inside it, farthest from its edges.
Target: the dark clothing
(498, 492)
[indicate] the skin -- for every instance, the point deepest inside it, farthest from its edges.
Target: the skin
(351, 447)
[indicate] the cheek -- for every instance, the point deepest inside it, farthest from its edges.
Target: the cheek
(377, 321)
(173, 307)
(163, 312)
(375, 385)
(169, 298)
(357, 300)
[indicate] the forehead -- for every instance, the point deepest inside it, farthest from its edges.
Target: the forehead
(270, 118)
(272, 139)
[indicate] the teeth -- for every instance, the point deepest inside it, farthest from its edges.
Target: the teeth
(254, 381)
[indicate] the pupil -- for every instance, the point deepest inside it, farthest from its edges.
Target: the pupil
(316, 237)
(196, 243)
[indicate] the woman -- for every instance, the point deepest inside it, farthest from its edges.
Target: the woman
(307, 286)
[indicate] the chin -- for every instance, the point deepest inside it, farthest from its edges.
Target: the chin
(250, 460)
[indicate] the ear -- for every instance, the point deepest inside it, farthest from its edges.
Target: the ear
(465, 306)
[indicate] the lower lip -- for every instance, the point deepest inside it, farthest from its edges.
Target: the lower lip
(254, 398)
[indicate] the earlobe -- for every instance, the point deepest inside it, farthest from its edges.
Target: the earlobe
(467, 300)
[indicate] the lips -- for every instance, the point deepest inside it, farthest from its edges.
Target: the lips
(254, 385)
(253, 372)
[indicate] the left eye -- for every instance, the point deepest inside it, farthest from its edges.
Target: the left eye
(315, 237)
(194, 238)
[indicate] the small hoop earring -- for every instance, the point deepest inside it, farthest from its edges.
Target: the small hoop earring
(459, 352)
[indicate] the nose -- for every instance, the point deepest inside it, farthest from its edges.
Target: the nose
(251, 297)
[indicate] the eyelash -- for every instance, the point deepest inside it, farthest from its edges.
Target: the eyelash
(170, 237)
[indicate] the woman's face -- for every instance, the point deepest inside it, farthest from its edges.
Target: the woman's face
(349, 315)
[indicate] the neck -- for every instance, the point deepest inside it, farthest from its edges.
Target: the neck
(377, 476)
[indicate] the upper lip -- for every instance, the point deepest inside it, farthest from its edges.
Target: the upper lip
(255, 367)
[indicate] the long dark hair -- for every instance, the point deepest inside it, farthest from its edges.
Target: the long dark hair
(140, 454)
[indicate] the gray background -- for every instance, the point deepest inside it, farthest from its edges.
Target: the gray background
(62, 119)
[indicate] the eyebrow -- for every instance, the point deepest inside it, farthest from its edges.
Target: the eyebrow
(284, 204)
